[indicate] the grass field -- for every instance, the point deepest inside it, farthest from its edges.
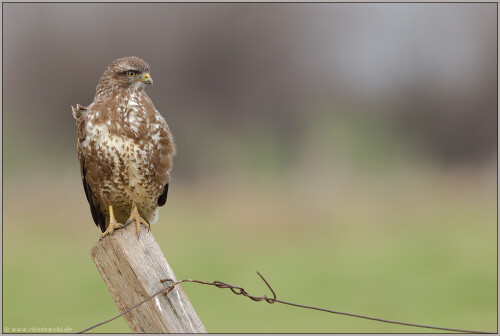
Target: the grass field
(415, 244)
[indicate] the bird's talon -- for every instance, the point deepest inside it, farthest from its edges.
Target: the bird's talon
(111, 229)
(135, 217)
(113, 224)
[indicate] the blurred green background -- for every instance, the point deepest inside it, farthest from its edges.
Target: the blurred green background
(348, 152)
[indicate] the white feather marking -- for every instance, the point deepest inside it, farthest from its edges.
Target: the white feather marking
(156, 137)
(154, 216)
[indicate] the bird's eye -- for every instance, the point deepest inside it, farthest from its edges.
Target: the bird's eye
(131, 73)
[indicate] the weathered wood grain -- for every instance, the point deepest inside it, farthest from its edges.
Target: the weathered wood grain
(132, 269)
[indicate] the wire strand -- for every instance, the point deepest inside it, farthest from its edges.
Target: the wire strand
(241, 291)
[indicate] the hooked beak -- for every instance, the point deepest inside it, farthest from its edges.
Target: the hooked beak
(146, 79)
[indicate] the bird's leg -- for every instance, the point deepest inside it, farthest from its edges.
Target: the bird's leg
(135, 217)
(113, 224)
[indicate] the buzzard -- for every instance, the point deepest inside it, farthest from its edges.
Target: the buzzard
(125, 149)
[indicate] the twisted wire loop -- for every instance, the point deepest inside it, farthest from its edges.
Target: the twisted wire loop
(235, 289)
(241, 291)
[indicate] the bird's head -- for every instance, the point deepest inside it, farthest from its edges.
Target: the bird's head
(126, 73)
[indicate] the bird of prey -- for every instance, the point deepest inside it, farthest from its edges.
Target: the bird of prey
(125, 149)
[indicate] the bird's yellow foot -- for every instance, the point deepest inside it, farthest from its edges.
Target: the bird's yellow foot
(113, 224)
(135, 217)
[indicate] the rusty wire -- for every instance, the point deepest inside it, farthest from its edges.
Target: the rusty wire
(235, 289)
(241, 291)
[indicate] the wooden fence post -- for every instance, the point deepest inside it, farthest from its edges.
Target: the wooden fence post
(132, 269)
